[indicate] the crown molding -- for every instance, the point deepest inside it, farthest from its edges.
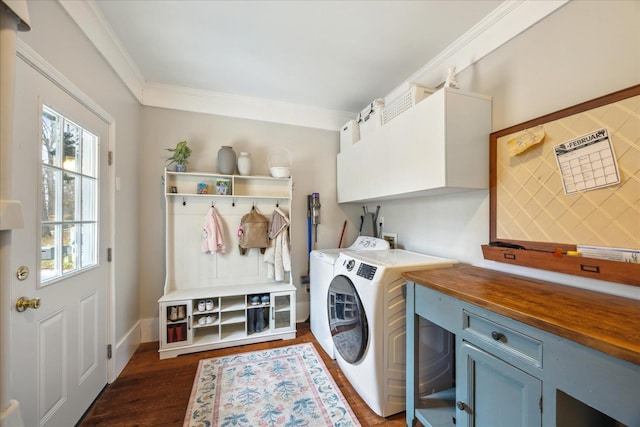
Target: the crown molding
(223, 104)
(93, 24)
(506, 22)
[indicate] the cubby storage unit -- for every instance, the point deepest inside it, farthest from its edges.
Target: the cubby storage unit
(215, 300)
(440, 145)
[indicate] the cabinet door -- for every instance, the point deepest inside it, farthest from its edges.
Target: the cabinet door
(492, 393)
(282, 311)
(175, 323)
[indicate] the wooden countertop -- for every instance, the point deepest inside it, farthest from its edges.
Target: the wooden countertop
(608, 323)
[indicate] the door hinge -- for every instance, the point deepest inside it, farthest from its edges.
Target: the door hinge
(110, 158)
(109, 352)
(109, 255)
(540, 403)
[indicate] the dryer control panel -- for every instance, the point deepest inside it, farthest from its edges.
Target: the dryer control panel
(367, 271)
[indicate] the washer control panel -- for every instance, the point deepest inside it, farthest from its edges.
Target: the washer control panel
(367, 271)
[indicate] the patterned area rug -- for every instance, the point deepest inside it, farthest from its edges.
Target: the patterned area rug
(287, 386)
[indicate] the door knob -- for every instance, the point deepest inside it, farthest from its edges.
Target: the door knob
(23, 303)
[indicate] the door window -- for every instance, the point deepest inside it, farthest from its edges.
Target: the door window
(69, 197)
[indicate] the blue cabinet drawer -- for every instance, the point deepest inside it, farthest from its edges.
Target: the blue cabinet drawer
(504, 339)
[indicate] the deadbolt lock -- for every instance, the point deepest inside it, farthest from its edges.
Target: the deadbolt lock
(22, 273)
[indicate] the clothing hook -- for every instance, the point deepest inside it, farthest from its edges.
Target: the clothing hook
(277, 203)
(184, 202)
(213, 205)
(234, 202)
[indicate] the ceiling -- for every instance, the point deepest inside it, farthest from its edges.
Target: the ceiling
(318, 57)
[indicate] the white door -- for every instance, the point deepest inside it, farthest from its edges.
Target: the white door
(58, 355)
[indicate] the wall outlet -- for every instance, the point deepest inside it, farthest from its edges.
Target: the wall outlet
(392, 238)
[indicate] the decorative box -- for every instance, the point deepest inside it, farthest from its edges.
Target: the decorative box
(349, 134)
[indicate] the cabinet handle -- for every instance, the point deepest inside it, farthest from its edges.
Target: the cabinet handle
(461, 405)
(189, 322)
(498, 336)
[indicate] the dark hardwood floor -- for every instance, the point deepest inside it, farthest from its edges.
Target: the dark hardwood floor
(154, 392)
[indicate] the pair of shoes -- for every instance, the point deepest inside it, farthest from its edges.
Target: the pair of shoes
(205, 305)
(177, 312)
(173, 313)
(257, 320)
(175, 333)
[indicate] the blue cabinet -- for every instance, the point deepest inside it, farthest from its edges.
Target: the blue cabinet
(490, 392)
(510, 373)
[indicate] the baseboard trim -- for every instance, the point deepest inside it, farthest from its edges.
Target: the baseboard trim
(125, 348)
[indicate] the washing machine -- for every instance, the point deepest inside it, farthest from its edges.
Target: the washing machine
(367, 322)
(320, 274)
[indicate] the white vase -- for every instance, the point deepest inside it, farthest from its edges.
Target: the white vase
(244, 163)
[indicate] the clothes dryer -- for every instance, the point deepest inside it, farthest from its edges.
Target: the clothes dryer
(367, 319)
(320, 274)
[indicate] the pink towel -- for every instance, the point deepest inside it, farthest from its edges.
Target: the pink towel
(213, 237)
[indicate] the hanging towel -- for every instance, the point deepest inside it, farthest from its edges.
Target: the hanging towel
(278, 222)
(212, 236)
(278, 255)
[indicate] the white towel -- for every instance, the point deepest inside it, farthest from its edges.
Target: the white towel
(278, 255)
(213, 237)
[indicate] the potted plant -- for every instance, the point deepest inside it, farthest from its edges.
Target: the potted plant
(180, 156)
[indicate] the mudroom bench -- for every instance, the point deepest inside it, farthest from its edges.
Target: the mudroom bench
(527, 352)
(217, 294)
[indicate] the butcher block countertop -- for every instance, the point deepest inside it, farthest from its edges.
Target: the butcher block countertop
(608, 323)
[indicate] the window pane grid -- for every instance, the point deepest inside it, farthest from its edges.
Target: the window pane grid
(69, 197)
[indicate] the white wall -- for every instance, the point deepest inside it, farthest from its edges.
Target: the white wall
(582, 51)
(56, 38)
(313, 153)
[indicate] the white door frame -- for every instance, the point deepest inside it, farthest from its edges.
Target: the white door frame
(37, 62)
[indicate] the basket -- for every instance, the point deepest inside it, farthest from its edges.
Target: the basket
(280, 163)
(405, 101)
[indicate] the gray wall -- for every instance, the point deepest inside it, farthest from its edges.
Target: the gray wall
(56, 38)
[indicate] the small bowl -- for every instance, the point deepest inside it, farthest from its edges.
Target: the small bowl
(280, 171)
(265, 299)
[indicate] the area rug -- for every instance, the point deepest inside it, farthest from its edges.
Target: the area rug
(286, 386)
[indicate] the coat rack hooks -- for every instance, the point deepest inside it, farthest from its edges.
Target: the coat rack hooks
(234, 202)
(184, 201)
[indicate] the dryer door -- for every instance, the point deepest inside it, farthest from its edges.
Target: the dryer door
(347, 319)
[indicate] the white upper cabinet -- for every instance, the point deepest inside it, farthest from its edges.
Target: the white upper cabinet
(440, 145)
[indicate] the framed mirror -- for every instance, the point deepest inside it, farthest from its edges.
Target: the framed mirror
(570, 181)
